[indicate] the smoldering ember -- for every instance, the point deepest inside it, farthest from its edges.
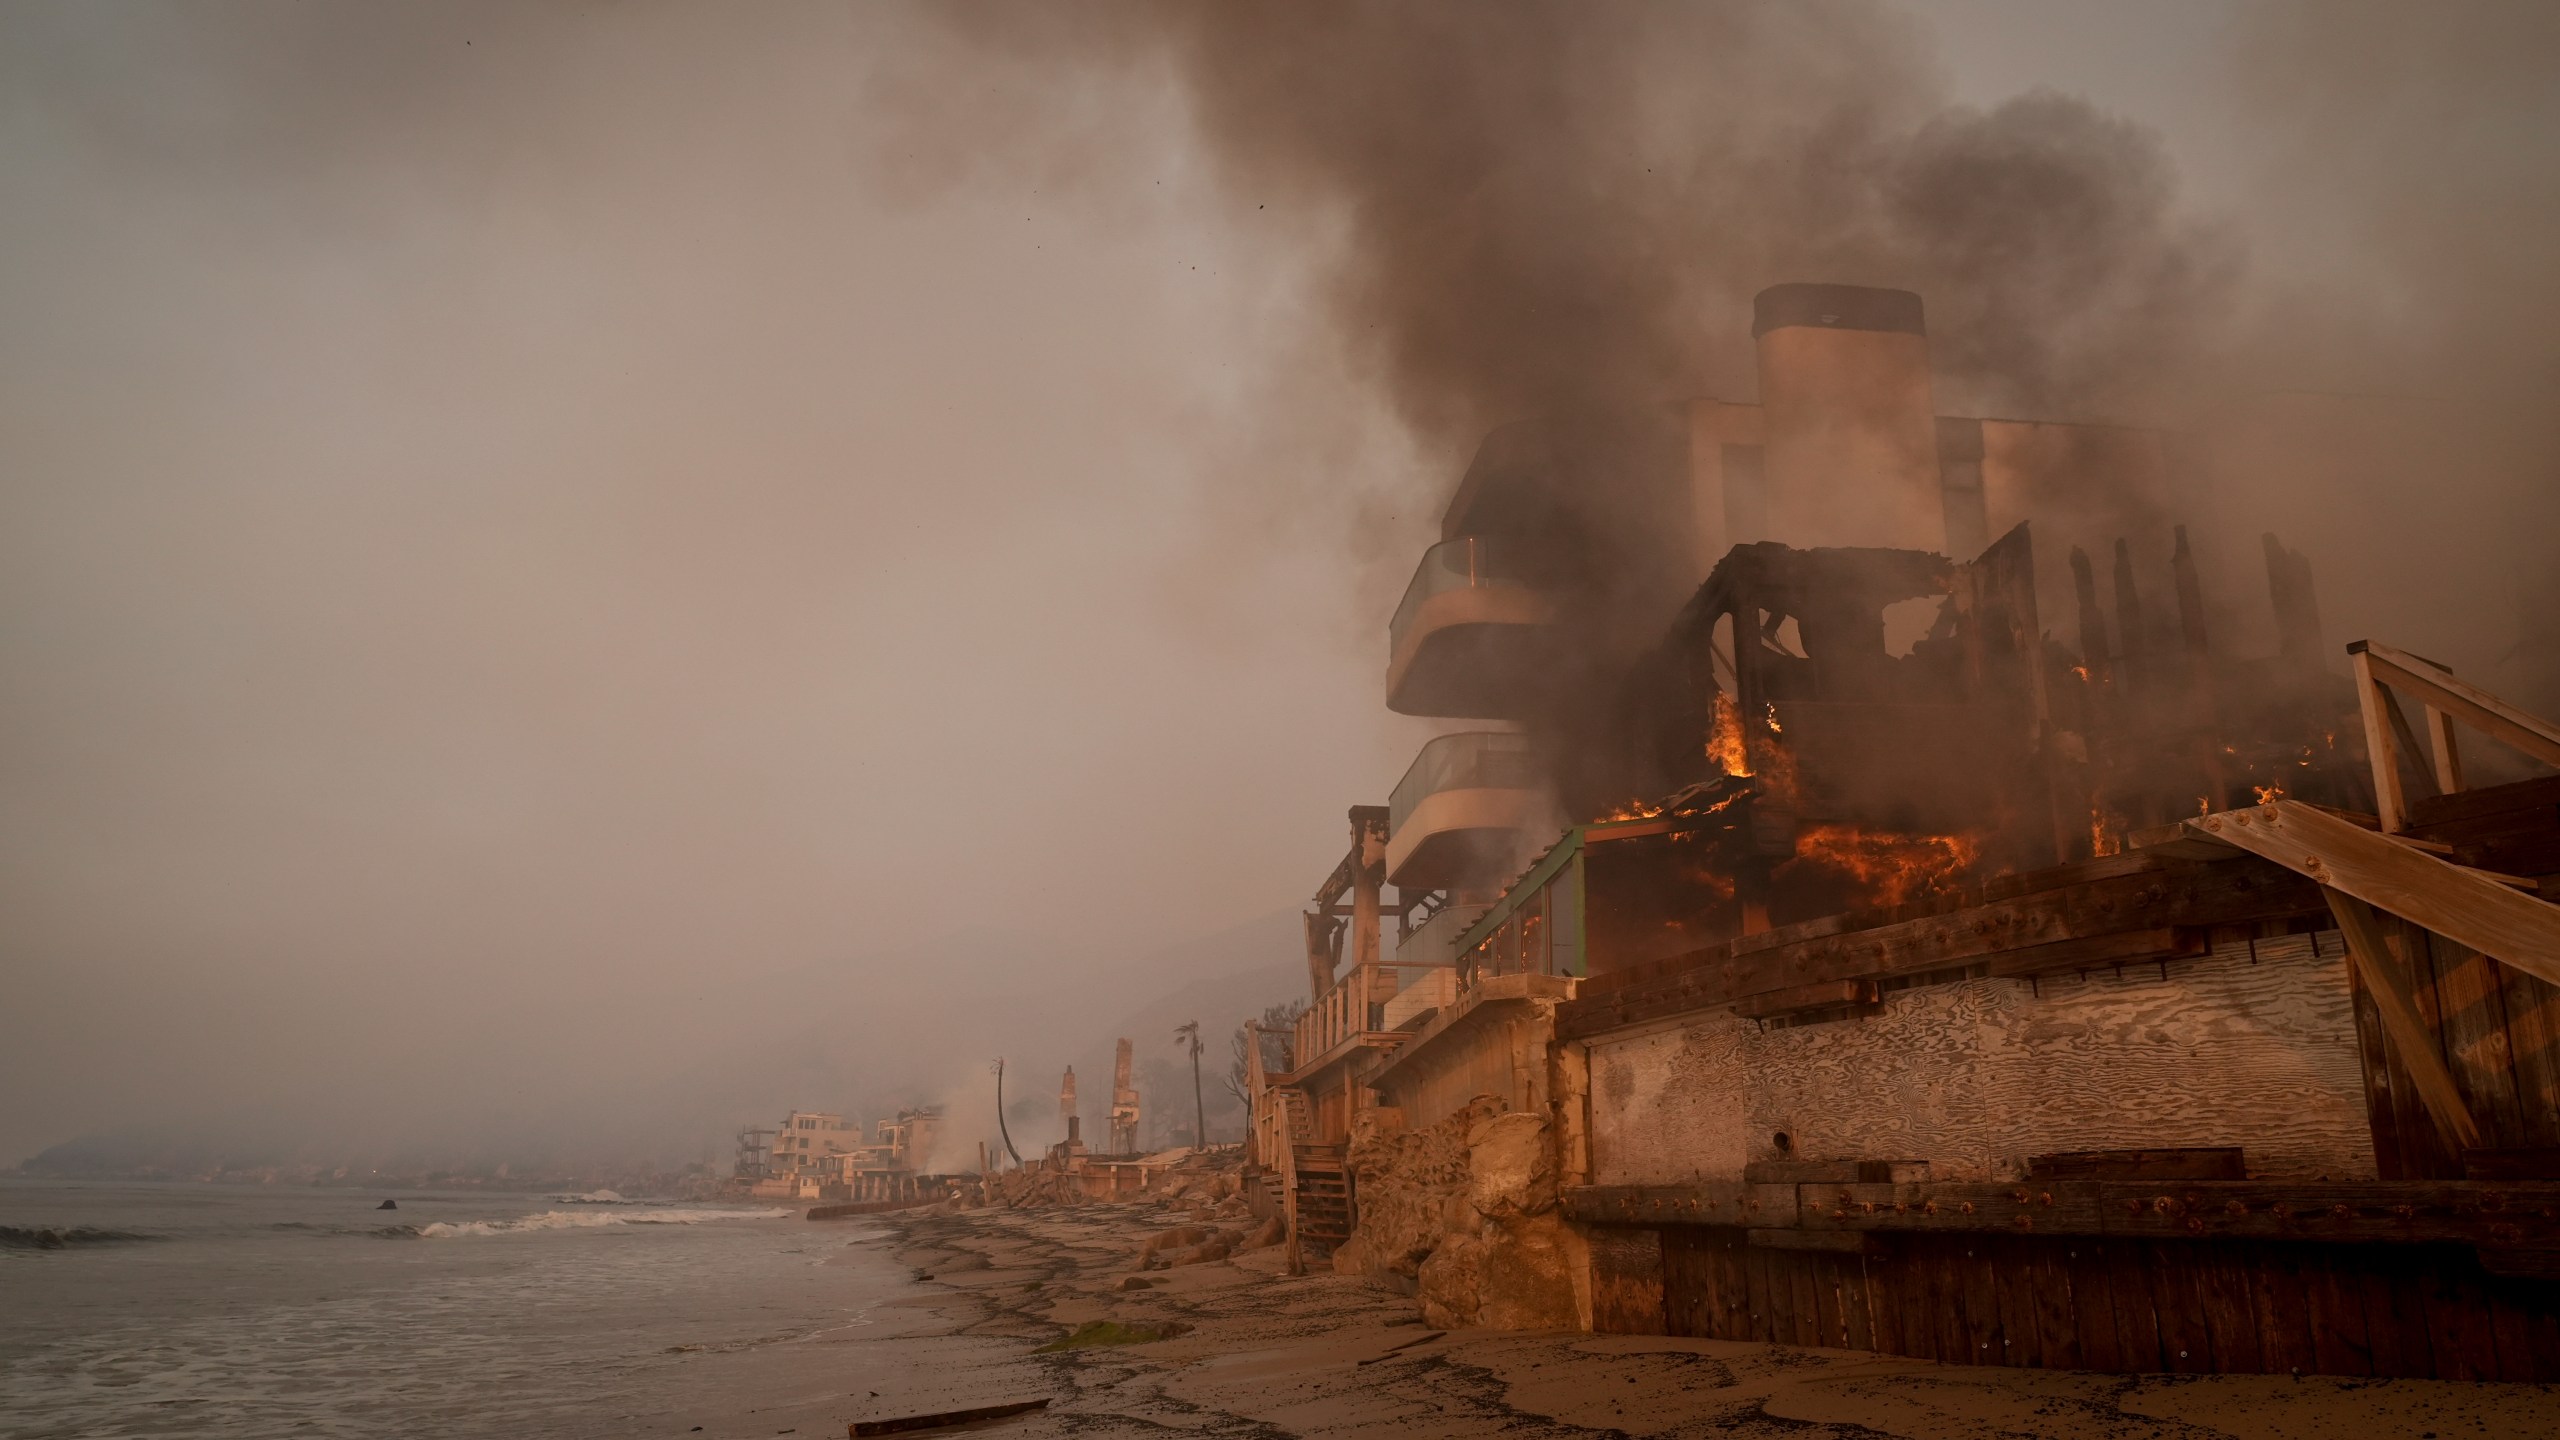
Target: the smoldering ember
(632, 633)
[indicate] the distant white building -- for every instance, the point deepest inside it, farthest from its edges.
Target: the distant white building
(804, 1151)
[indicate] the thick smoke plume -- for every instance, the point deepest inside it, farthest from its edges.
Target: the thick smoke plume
(1536, 207)
(1532, 208)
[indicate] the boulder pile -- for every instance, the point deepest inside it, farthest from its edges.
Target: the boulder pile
(1463, 1213)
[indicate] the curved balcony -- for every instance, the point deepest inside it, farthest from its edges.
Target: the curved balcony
(1464, 812)
(1465, 640)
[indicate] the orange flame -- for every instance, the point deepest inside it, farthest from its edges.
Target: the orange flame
(1724, 739)
(2268, 794)
(1890, 868)
(1632, 810)
(2106, 831)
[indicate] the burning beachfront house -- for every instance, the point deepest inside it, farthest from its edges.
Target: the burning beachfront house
(1924, 980)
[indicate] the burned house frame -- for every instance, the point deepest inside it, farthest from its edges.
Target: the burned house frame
(1928, 981)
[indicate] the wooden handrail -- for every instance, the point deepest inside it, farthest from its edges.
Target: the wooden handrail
(1343, 1010)
(2379, 669)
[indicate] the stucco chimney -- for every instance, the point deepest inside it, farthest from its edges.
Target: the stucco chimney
(1852, 445)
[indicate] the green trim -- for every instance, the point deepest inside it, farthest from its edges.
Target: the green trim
(1581, 918)
(1531, 880)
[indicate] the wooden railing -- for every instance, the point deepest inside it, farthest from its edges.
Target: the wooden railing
(1262, 1104)
(1355, 1005)
(2387, 736)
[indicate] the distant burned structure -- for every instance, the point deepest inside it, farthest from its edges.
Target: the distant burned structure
(1949, 956)
(820, 1155)
(1124, 1101)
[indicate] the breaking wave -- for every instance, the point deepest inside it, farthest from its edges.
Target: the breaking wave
(587, 1220)
(378, 1232)
(14, 1237)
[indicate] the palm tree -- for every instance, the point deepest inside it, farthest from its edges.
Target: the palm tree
(1190, 1034)
(1000, 1126)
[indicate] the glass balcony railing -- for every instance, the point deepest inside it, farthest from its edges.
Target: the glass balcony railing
(1450, 565)
(1468, 760)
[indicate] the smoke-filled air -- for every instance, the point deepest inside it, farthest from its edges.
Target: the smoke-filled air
(994, 607)
(577, 578)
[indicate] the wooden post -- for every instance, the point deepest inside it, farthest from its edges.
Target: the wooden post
(1294, 1256)
(2182, 562)
(1369, 846)
(2440, 743)
(1319, 928)
(2131, 634)
(1368, 876)
(2093, 621)
(2382, 746)
(2297, 606)
(2203, 709)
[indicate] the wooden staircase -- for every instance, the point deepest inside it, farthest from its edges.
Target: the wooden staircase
(1324, 1197)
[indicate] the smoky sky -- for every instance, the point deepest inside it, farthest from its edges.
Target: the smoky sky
(1524, 206)
(605, 569)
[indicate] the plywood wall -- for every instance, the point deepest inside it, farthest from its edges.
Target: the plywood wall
(2253, 1045)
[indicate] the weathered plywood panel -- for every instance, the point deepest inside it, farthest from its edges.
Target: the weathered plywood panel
(1668, 1107)
(2250, 1046)
(1494, 1060)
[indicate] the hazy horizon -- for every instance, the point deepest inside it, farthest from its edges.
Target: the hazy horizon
(554, 556)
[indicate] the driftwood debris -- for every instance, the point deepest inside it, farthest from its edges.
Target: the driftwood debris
(1399, 1347)
(941, 1419)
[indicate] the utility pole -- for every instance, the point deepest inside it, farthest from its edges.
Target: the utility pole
(1190, 1034)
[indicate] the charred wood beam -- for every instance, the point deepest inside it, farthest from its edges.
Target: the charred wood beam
(1709, 1202)
(1987, 892)
(2502, 1214)
(2182, 562)
(2094, 651)
(2296, 605)
(2131, 634)
(1346, 871)
(1338, 884)
(2152, 912)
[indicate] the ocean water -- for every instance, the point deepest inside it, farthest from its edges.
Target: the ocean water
(213, 1312)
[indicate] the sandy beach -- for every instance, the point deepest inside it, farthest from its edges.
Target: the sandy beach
(1259, 1352)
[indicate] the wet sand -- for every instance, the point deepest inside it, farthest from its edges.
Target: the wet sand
(1266, 1354)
